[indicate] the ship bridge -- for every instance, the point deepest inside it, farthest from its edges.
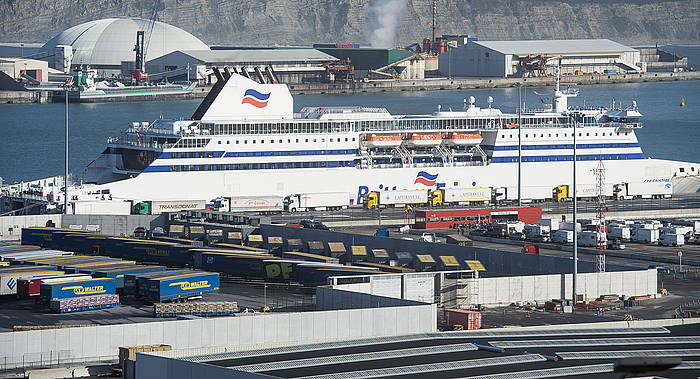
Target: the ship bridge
(343, 113)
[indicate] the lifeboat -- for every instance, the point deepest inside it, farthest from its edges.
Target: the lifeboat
(383, 140)
(463, 139)
(422, 140)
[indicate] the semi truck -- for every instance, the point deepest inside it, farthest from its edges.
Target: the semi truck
(377, 199)
(638, 190)
(158, 207)
(266, 204)
(565, 192)
(321, 201)
(465, 196)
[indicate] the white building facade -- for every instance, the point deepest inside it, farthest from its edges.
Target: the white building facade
(540, 58)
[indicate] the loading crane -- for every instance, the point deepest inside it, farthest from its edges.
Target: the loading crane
(143, 38)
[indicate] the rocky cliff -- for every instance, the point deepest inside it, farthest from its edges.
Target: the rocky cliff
(302, 22)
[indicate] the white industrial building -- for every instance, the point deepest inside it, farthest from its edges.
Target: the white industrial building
(289, 65)
(540, 58)
(104, 44)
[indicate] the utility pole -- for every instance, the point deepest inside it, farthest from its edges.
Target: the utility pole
(575, 118)
(432, 41)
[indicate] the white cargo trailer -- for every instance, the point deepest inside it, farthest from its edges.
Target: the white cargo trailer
(460, 196)
(619, 233)
(553, 223)
(563, 236)
(249, 204)
(300, 202)
(590, 239)
(643, 190)
(100, 207)
(643, 235)
(569, 226)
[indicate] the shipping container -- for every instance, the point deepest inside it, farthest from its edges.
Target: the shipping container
(9, 278)
(182, 286)
(72, 289)
(467, 320)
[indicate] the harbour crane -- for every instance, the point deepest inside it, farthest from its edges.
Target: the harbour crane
(143, 38)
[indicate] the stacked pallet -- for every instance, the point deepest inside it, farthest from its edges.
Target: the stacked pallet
(84, 303)
(218, 308)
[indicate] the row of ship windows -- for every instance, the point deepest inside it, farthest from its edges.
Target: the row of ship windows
(567, 146)
(534, 135)
(289, 140)
(219, 154)
(252, 166)
(559, 158)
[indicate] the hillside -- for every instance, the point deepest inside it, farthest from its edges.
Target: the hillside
(401, 22)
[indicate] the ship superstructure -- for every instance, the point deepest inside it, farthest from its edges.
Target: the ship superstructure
(245, 140)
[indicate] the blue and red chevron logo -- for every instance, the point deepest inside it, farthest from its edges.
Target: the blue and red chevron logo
(426, 179)
(255, 98)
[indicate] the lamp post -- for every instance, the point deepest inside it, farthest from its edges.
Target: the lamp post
(575, 118)
(520, 155)
(65, 177)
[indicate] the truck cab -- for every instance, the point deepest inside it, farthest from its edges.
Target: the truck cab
(560, 193)
(292, 203)
(371, 200)
(437, 198)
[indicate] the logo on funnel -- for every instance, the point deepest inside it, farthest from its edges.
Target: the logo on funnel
(255, 98)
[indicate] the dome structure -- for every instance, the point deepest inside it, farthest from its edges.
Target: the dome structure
(109, 41)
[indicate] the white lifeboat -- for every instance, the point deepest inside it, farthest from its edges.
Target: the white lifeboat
(423, 140)
(464, 139)
(383, 140)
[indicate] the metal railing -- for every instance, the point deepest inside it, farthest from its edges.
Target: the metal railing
(49, 359)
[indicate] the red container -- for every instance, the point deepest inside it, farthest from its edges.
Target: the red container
(531, 249)
(471, 320)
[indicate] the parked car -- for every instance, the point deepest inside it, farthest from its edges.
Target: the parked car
(311, 224)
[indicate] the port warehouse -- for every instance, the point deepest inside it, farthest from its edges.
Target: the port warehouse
(540, 58)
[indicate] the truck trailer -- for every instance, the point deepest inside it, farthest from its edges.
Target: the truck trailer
(382, 199)
(158, 207)
(301, 202)
(638, 190)
(182, 287)
(460, 196)
(266, 204)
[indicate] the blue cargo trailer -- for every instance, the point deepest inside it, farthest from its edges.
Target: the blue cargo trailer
(133, 280)
(70, 289)
(182, 286)
(118, 273)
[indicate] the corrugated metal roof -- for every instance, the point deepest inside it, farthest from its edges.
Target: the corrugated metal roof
(596, 342)
(565, 46)
(348, 358)
(278, 55)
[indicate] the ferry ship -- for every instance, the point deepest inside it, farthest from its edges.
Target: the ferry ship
(245, 140)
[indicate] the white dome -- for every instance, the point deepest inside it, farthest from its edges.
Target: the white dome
(111, 40)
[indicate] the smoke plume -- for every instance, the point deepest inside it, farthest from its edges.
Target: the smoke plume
(385, 17)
